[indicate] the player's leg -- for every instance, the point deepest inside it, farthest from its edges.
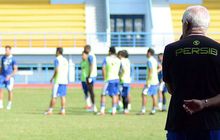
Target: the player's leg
(51, 106)
(144, 100)
(91, 91)
(160, 95)
(114, 93)
(52, 103)
(63, 105)
(2, 85)
(153, 92)
(125, 104)
(92, 94)
(154, 101)
(125, 94)
(10, 96)
(103, 101)
(52, 100)
(129, 102)
(9, 87)
(1, 98)
(164, 99)
(62, 90)
(114, 104)
(87, 97)
(120, 104)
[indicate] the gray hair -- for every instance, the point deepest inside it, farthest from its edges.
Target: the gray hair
(197, 15)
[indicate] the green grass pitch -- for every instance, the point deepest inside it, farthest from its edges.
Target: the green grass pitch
(26, 120)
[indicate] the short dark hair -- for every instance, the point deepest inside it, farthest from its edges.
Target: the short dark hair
(150, 50)
(8, 46)
(87, 46)
(60, 50)
(125, 53)
(112, 50)
(120, 53)
(160, 54)
(84, 52)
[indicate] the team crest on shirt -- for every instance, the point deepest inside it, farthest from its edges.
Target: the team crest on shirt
(7, 62)
(196, 42)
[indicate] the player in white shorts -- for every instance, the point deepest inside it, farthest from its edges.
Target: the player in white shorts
(8, 70)
(60, 79)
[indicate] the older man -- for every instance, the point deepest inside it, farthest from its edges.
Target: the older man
(191, 68)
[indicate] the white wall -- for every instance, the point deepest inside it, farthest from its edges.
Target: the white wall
(186, 1)
(162, 26)
(127, 6)
(96, 22)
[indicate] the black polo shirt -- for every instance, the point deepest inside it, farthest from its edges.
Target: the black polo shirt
(192, 67)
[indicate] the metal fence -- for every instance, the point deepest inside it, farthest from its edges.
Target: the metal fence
(69, 39)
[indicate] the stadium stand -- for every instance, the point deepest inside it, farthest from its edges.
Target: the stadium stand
(62, 24)
(214, 9)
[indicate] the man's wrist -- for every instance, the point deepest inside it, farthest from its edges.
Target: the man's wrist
(205, 103)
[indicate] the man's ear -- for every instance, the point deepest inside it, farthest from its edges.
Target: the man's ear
(188, 26)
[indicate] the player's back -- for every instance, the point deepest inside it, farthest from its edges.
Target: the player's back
(62, 73)
(154, 65)
(92, 59)
(126, 70)
(112, 67)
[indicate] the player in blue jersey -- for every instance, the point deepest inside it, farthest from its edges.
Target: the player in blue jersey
(8, 70)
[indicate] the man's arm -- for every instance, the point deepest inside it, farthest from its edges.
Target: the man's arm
(104, 72)
(90, 69)
(149, 76)
(159, 68)
(194, 105)
(90, 59)
(56, 64)
(54, 75)
(15, 69)
(149, 72)
(104, 69)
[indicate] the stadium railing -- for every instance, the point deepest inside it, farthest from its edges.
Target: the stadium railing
(70, 39)
(33, 73)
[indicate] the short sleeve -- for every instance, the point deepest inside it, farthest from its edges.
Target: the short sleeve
(166, 65)
(14, 63)
(104, 62)
(149, 65)
(90, 59)
(56, 63)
